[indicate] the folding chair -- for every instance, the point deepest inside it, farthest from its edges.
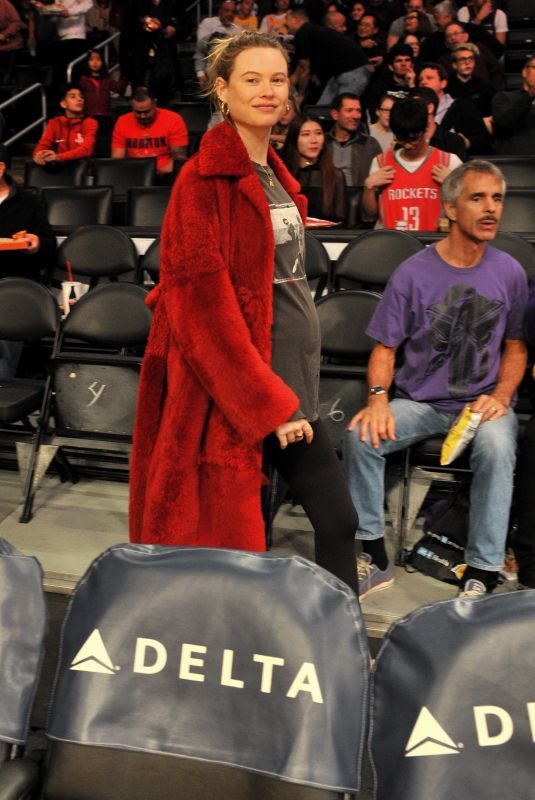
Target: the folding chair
(519, 211)
(519, 248)
(123, 174)
(87, 205)
(150, 263)
(452, 701)
(370, 259)
(28, 313)
(68, 173)
(23, 622)
(519, 171)
(92, 398)
(220, 683)
(317, 264)
(98, 251)
(345, 349)
(146, 207)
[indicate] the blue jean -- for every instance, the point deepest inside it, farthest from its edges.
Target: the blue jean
(354, 81)
(492, 461)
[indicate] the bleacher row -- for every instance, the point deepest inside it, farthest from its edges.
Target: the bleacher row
(122, 192)
(168, 685)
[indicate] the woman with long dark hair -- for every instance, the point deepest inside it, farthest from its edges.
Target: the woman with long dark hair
(308, 159)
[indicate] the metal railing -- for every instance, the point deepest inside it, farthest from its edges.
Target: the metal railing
(105, 45)
(39, 121)
(197, 4)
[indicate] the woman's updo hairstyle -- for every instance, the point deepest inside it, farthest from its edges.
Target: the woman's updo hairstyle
(224, 52)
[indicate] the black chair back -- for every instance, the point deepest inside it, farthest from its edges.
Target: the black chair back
(372, 257)
(519, 211)
(146, 206)
(150, 261)
(67, 173)
(124, 173)
(88, 205)
(519, 248)
(98, 251)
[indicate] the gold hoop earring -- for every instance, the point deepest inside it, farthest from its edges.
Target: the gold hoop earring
(223, 107)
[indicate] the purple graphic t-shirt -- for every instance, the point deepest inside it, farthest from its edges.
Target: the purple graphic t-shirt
(450, 323)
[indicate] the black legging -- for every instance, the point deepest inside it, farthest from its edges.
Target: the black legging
(316, 479)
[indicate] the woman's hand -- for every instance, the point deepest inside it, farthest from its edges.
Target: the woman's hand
(294, 431)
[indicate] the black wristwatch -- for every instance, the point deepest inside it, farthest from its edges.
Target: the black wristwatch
(376, 390)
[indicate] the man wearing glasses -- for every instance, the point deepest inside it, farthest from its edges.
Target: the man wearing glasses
(403, 188)
(463, 83)
(514, 116)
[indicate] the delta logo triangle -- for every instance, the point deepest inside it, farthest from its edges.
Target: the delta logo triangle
(428, 738)
(93, 656)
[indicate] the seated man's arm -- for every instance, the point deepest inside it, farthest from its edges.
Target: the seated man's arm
(376, 180)
(45, 146)
(512, 368)
(118, 141)
(376, 419)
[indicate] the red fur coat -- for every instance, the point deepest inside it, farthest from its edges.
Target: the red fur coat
(207, 396)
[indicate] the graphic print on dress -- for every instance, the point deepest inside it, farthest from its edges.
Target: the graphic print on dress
(462, 327)
(290, 237)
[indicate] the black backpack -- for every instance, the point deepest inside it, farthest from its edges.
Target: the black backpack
(440, 551)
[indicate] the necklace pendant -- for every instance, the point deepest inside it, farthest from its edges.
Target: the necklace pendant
(270, 181)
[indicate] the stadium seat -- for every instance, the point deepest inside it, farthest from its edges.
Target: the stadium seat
(74, 206)
(98, 251)
(519, 248)
(194, 693)
(28, 312)
(317, 264)
(519, 211)
(124, 173)
(452, 708)
(519, 171)
(150, 262)
(370, 259)
(146, 206)
(68, 173)
(345, 350)
(23, 624)
(94, 375)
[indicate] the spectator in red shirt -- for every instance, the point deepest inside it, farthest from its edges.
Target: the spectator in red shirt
(69, 136)
(150, 131)
(97, 86)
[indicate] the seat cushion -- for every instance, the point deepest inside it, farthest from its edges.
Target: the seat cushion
(19, 397)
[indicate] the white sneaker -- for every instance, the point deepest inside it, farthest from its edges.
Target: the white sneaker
(473, 588)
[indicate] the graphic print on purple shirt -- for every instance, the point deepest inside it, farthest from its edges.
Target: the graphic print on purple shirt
(450, 323)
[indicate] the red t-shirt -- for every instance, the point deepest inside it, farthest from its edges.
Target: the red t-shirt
(167, 130)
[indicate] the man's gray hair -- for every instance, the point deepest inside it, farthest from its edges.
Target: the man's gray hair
(452, 186)
(445, 9)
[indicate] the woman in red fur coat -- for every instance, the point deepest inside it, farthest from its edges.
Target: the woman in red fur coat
(231, 372)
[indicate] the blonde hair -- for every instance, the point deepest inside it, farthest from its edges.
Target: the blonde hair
(224, 52)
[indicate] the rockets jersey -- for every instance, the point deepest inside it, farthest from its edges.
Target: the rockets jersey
(413, 198)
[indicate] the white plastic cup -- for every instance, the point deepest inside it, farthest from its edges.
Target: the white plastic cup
(71, 291)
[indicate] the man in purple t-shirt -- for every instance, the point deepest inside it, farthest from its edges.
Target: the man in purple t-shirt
(457, 309)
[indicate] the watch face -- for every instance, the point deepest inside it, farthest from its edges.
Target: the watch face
(377, 390)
